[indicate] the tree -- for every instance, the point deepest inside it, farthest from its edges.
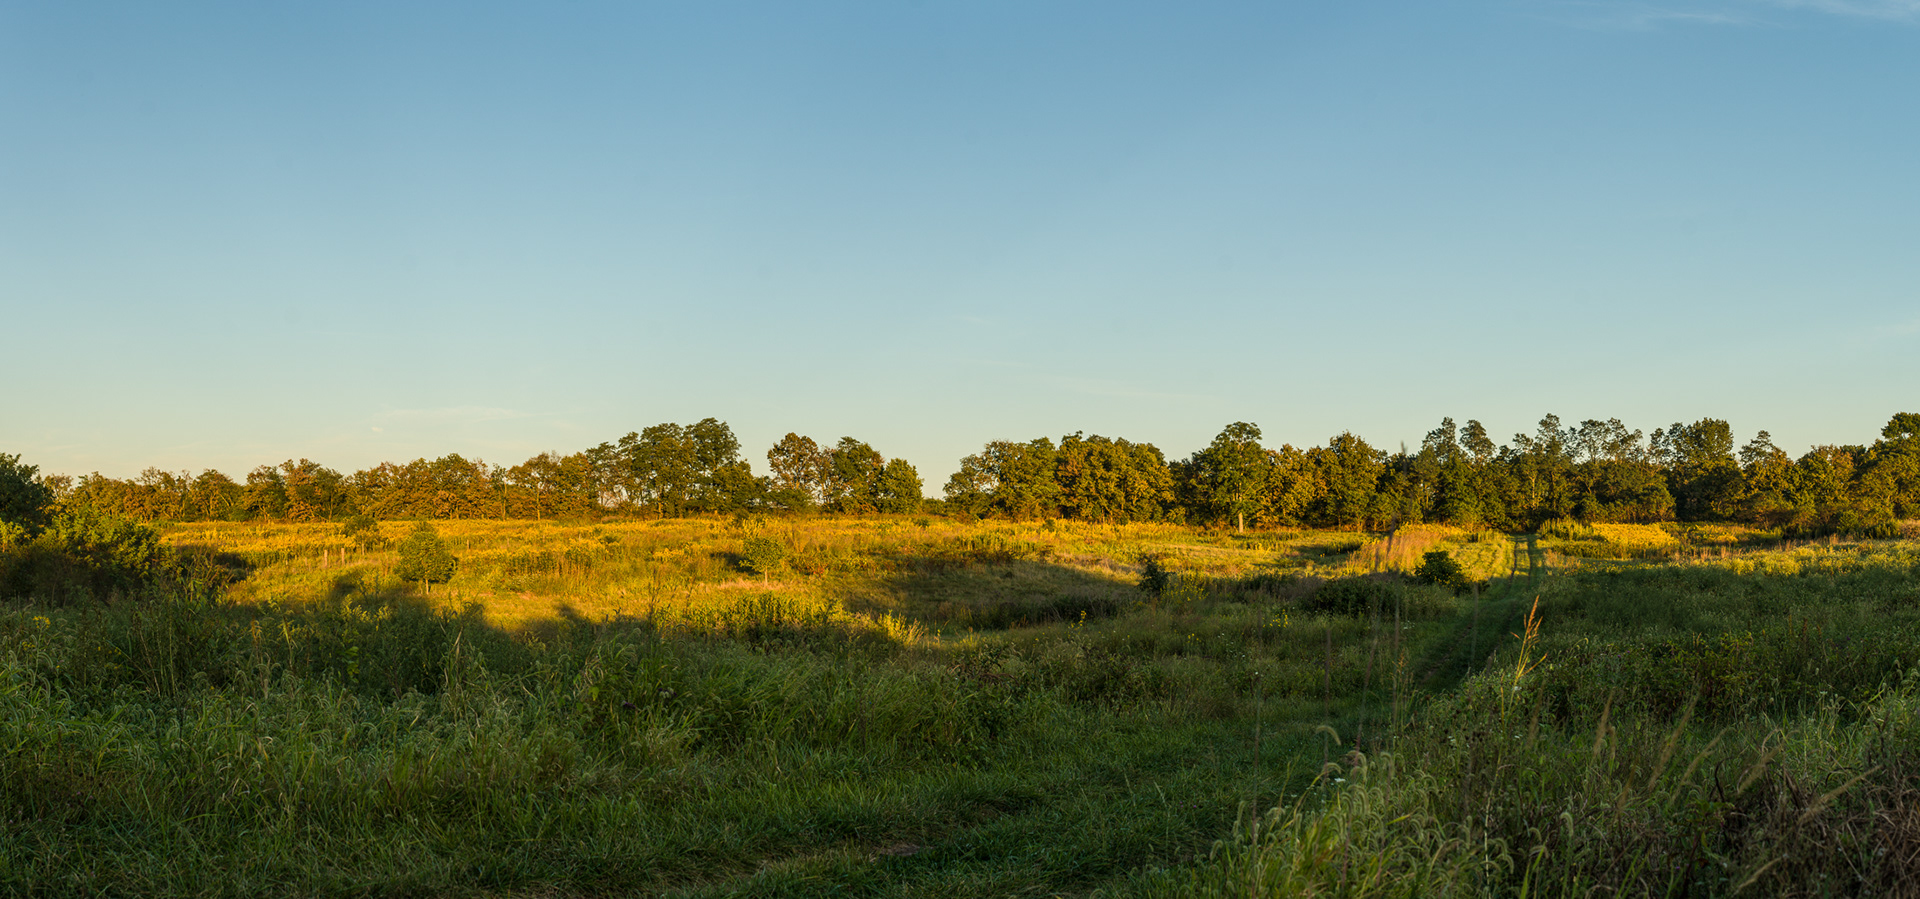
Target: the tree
(1111, 480)
(1891, 474)
(215, 497)
(1232, 473)
(312, 491)
(1438, 567)
(800, 471)
(971, 489)
(853, 476)
(676, 469)
(1292, 490)
(266, 495)
(1613, 478)
(1013, 479)
(1766, 473)
(1350, 471)
(424, 558)
(1543, 469)
(1024, 473)
(1452, 460)
(659, 468)
(1701, 472)
(24, 498)
(551, 486)
(898, 489)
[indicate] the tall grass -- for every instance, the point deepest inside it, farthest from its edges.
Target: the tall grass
(1748, 727)
(594, 708)
(961, 708)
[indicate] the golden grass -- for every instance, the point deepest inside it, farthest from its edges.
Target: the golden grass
(868, 572)
(1636, 538)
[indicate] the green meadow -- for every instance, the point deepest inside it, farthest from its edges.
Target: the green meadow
(902, 706)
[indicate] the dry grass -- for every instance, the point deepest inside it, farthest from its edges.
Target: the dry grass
(1636, 538)
(879, 570)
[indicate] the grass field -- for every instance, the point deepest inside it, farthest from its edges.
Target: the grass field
(921, 706)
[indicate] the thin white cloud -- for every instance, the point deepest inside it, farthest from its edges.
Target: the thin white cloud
(1895, 10)
(1910, 326)
(1745, 13)
(1645, 17)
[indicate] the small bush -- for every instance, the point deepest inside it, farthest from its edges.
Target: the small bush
(1354, 596)
(762, 555)
(82, 552)
(1154, 576)
(1439, 568)
(423, 557)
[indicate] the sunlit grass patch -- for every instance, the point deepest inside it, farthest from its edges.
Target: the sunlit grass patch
(1633, 539)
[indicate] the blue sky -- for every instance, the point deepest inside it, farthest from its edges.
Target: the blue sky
(236, 234)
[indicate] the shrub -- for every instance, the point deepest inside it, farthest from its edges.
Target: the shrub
(762, 555)
(1355, 596)
(83, 551)
(1438, 567)
(1154, 576)
(423, 557)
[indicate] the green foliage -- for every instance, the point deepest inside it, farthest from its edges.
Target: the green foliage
(1351, 470)
(763, 555)
(1154, 576)
(1232, 474)
(83, 552)
(1439, 568)
(1112, 480)
(24, 500)
(1352, 596)
(897, 488)
(1017, 480)
(801, 470)
(424, 557)
(363, 530)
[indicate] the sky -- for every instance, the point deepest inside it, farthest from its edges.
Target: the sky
(236, 234)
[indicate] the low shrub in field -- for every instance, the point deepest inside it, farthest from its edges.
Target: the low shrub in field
(1438, 568)
(1353, 596)
(83, 552)
(762, 555)
(424, 557)
(1154, 576)
(1062, 608)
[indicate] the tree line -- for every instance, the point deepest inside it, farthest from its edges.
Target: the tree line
(1594, 471)
(666, 470)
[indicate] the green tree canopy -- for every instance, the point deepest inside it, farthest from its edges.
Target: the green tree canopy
(1231, 475)
(425, 558)
(898, 487)
(800, 472)
(1702, 474)
(1350, 471)
(1107, 480)
(25, 500)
